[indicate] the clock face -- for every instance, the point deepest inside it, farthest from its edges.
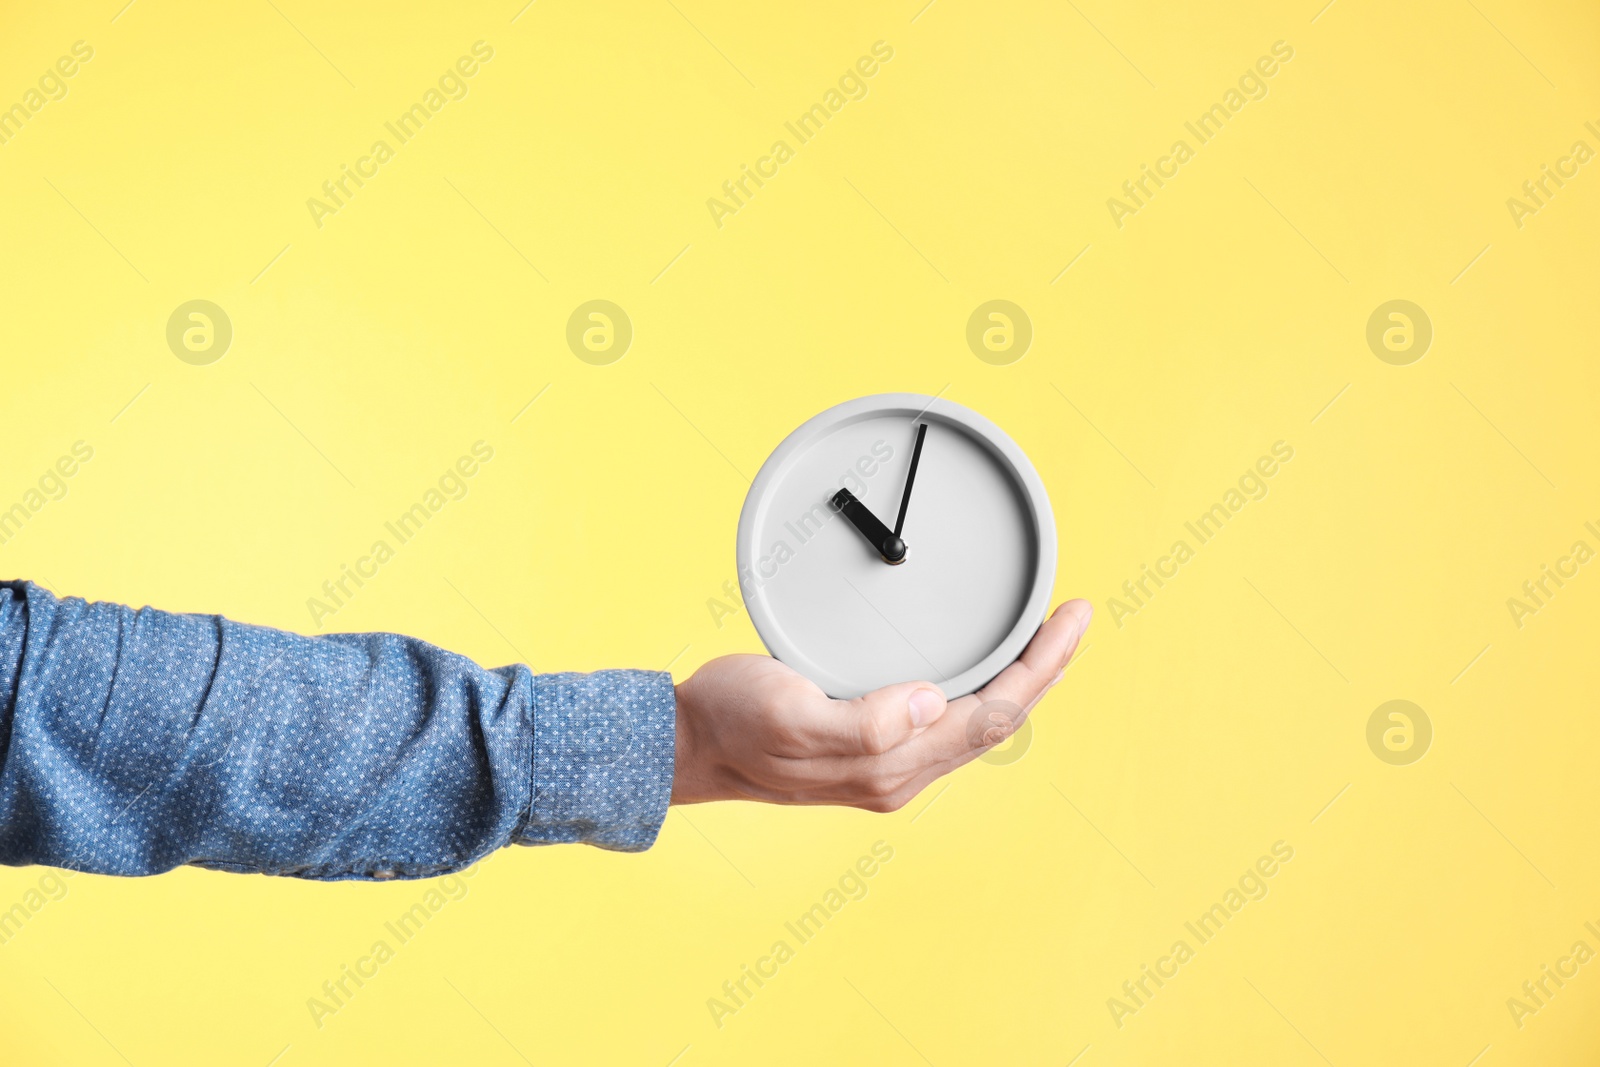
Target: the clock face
(977, 547)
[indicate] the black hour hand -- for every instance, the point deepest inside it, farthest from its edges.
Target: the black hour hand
(883, 540)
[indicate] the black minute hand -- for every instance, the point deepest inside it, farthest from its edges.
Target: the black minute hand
(911, 476)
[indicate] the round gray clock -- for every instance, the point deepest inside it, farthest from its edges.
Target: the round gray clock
(897, 538)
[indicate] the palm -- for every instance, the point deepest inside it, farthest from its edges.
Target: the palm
(751, 727)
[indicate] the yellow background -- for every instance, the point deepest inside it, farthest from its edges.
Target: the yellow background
(1226, 315)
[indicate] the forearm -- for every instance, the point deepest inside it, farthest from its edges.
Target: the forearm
(135, 741)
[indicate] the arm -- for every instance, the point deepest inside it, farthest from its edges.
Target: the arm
(135, 741)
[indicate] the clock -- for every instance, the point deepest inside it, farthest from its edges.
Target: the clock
(897, 538)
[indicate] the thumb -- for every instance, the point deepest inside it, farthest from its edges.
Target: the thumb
(889, 716)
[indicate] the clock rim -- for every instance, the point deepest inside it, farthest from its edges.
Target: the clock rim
(989, 434)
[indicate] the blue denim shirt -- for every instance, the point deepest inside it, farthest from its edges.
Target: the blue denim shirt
(132, 741)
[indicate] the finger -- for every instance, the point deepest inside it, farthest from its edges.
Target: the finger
(881, 788)
(909, 791)
(977, 722)
(916, 712)
(890, 781)
(870, 725)
(985, 729)
(1042, 662)
(969, 726)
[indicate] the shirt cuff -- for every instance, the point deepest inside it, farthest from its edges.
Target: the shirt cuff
(603, 747)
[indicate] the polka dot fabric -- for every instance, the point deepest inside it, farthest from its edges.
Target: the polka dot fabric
(132, 741)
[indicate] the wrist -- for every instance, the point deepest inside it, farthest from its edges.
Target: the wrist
(690, 782)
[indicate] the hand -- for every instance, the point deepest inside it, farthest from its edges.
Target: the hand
(750, 728)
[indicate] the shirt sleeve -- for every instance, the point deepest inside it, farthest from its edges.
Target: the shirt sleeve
(133, 741)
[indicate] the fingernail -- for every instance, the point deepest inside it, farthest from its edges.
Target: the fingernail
(1077, 638)
(926, 706)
